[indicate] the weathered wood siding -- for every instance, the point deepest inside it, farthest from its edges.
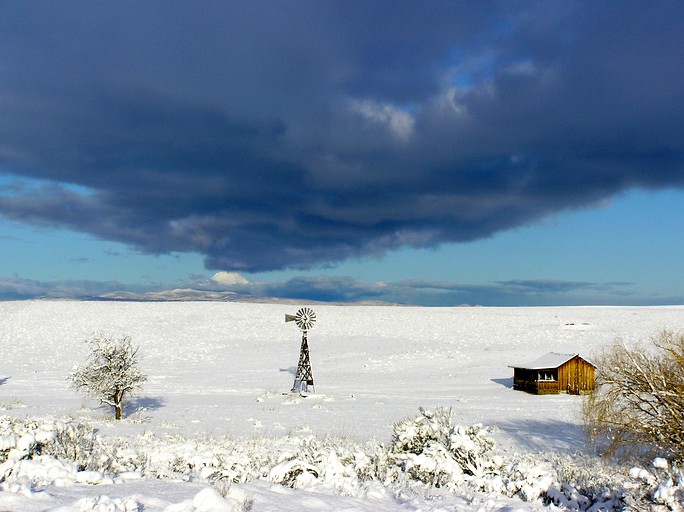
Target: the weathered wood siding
(547, 387)
(576, 376)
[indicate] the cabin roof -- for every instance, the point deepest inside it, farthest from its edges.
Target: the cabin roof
(550, 360)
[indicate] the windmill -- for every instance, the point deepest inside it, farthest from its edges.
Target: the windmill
(305, 319)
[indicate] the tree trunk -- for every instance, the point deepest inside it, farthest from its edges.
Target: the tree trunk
(118, 400)
(118, 403)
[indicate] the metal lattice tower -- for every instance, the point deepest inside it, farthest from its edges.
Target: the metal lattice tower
(305, 319)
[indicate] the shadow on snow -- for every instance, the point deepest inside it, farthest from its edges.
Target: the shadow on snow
(546, 435)
(145, 403)
(505, 382)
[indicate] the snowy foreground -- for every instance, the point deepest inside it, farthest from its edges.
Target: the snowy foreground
(215, 427)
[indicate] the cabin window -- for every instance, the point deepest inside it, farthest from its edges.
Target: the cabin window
(547, 375)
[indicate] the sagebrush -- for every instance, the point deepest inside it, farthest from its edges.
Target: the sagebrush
(637, 407)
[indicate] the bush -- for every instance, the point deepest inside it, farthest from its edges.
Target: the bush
(430, 448)
(73, 442)
(112, 372)
(38, 452)
(638, 404)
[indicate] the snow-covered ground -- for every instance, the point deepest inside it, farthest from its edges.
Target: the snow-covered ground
(225, 369)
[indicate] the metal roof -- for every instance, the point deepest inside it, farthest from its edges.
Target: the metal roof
(550, 360)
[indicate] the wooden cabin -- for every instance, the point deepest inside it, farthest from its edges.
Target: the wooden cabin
(555, 373)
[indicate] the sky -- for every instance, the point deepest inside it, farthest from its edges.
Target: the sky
(493, 153)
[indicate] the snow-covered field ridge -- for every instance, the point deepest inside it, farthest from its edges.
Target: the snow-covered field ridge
(215, 427)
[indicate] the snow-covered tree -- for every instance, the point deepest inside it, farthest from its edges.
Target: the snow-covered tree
(111, 373)
(638, 402)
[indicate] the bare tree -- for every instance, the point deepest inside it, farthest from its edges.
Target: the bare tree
(111, 373)
(638, 402)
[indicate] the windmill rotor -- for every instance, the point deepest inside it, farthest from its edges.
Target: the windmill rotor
(305, 318)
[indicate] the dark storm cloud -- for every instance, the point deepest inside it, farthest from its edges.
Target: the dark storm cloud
(269, 135)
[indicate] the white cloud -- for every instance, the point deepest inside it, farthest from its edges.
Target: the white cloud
(399, 122)
(229, 279)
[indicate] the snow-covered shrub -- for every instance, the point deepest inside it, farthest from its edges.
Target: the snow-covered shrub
(659, 488)
(25, 462)
(430, 448)
(13, 404)
(434, 466)
(569, 481)
(230, 492)
(368, 460)
(73, 442)
(21, 439)
(527, 478)
(107, 504)
(35, 453)
(592, 484)
(118, 456)
(210, 500)
(412, 435)
(598, 479)
(470, 447)
(293, 473)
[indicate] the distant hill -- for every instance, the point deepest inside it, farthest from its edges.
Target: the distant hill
(191, 295)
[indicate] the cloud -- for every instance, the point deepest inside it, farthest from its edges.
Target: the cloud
(268, 136)
(228, 279)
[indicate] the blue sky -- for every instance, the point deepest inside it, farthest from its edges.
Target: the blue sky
(523, 154)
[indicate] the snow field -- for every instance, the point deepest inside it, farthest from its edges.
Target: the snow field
(224, 369)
